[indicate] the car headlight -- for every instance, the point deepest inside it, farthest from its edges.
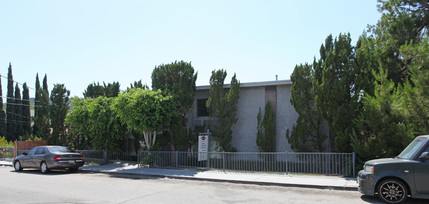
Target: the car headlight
(369, 168)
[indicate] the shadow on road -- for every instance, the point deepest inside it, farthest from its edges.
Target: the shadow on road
(375, 200)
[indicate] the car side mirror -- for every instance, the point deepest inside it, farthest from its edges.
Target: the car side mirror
(25, 153)
(424, 156)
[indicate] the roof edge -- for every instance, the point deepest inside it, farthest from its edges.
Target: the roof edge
(251, 84)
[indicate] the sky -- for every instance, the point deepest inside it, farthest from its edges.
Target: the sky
(80, 42)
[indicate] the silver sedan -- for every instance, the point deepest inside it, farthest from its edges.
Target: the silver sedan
(46, 158)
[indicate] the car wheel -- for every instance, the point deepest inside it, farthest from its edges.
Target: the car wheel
(17, 166)
(392, 191)
(44, 168)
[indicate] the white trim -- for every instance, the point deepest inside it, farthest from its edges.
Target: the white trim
(251, 84)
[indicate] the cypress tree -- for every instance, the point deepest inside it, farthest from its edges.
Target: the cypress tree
(26, 118)
(36, 106)
(2, 114)
(18, 113)
(45, 83)
(10, 119)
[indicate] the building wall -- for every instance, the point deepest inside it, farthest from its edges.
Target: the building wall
(251, 98)
(286, 117)
(244, 132)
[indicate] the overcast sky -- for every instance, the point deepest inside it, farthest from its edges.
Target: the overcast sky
(79, 42)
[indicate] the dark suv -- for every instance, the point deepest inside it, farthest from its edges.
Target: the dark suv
(395, 179)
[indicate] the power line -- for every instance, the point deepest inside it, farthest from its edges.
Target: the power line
(20, 104)
(19, 115)
(16, 121)
(17, 82)
(19, 99)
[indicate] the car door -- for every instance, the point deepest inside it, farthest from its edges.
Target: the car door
(421, 175)
(37, 157)
(26, 160)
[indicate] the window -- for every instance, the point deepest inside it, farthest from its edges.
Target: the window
(32, 151)
(202, 110)
(40, 150)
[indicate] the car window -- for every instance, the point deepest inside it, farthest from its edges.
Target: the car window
(40, 150)
(32, 151)
(60, 149)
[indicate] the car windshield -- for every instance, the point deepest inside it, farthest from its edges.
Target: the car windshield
(411, 149)
(60, 149)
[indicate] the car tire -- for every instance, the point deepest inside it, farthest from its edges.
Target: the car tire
(392, 191)
(17, 166)
(44, 168)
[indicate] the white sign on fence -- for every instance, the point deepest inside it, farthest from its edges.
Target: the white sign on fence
(203, 147)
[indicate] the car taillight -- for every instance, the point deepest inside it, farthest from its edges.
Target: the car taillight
(81, 157)
(57, 158)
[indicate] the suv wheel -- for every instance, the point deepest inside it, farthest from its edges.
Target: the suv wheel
(392, 191)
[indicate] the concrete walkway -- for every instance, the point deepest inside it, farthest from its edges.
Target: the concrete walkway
(292, 180)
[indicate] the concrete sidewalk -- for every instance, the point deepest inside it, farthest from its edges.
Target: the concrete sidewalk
(132, 170)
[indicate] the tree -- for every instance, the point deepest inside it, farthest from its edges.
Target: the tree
(96, 119)
(381, 129)
(36, 106)
(138, 84)
(10, 108)
(401, 22)
(26, 117)
(337, 95)
(146, 112)
(45, 83)
(266, 133)
(223, 106)
(95, 90)
(2, 114)
(306, 134)
(177, 79)
(58, 111)
(18, 113)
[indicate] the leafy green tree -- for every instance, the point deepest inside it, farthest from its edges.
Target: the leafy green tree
(79, 122)
(26, 117)
(177, 79)
(146, 112)
(2, 114)
(58, 111)
(96, 119)
(10, 108)
(223, 105)
(266, 134)
(306, 134)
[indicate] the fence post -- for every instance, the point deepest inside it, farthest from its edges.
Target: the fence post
(287, 163)
(208, 160)
(223, 160)
(138, 158)
(354, 158)
(177, 159)
(105, 159)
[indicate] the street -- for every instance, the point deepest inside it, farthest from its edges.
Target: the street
(30, 186)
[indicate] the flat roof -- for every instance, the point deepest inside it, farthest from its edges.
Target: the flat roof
(251, 84)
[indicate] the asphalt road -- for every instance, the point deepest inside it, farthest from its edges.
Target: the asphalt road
(30, 186)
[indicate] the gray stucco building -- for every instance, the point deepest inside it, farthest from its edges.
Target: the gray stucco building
(252, 96)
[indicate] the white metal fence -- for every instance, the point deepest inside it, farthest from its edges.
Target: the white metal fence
(281, 162)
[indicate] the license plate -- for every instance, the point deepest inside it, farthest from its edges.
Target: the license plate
(72, 161)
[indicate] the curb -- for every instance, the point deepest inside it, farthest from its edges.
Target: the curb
(142, 176)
